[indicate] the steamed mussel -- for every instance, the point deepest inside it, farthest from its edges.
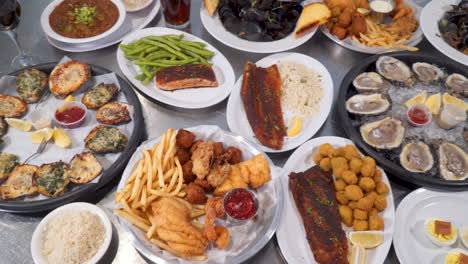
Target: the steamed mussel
(259, 20)
(454, 26)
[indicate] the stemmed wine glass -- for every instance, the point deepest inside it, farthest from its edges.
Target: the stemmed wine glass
(10, 12)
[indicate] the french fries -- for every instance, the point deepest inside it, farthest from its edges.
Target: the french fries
(159, 173)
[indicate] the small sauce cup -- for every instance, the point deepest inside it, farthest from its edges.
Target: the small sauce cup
(419, 115)
(240, 204)
(70, 115)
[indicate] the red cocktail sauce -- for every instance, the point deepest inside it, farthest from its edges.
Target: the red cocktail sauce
(70, 115)
(418, 115)
(240, 205)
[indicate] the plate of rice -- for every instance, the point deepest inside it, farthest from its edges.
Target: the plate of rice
(306, 99)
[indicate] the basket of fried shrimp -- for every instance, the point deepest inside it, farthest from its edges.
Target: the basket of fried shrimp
(170, 200)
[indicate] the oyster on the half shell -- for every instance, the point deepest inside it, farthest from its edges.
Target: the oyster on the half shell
(395, 70)
(457, 84)
(367, 104)
(369, 82)
(453, 162)
(427, 73)
(416, 157)
(387, 133)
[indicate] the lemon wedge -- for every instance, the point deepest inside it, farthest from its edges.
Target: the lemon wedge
(366, 239)
(420, 98)
(20, 124)
(295, 126)
(43, 134)
(70, 98)
(61, 138)
(363, 11)
(433, 103)
(449, 99)
(358, 255)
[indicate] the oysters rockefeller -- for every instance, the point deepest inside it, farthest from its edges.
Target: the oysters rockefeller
(386, 106)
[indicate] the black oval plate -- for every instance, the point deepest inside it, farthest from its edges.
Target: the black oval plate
(87, 190)
(394, 169)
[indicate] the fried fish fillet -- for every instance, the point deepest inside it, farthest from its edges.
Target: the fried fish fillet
(174, 226)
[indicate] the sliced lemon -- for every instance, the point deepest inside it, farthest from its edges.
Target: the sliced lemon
(420, 98)
(363, 11)
(61, 138)
(449, 99)
(295, 126)
(358, 255)
(70, 98)
(20, 124)
(433, 103)
(43, 134)
(366, 239)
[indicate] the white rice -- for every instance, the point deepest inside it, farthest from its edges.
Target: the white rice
(301, 89)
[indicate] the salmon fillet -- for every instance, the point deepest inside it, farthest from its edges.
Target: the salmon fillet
(261, 95)
(186, 76)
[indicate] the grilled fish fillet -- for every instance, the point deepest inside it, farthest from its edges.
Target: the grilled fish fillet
(314, 196)
(186, 76)
(261, 95)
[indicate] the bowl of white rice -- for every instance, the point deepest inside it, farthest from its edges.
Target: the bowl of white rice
(75, 233)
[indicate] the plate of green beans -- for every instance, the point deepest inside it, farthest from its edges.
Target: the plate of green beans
(145, 52)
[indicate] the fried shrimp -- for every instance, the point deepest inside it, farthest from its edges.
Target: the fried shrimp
(214, 209)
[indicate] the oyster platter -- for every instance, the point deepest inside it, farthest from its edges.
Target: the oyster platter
(410, 111)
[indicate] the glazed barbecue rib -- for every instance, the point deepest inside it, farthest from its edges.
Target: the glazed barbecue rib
(314, 196)
(261, 94)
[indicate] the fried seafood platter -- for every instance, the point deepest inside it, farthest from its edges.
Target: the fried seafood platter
(410, 113)
(339, 205)
(198, 195)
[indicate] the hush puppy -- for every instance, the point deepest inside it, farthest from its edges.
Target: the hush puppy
(346, 215)
(217, 148)
(367, 170)
(380, 203)
(184, 138)
(367, 184)
(353, 192)
(360, 214)
(360, 225)
(187, 172)
(340, 185)
(235, 155)
(381, 188)
(365, 203)
(376, 222)
(349, 177)
(183, 155)
(195, 194)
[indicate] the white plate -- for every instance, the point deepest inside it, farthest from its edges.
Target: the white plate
(237, 118)
(291, 233)
(214, 26)
(50, 32)
(133, 21)
(185, 98)
(37, 238)
(430, 17)
(356, 46)
(410, 241)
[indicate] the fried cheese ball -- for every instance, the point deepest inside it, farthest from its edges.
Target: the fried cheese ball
(346, 215)
(340, 185)
(380, 203)
(377, 175)
(355, 165)
(368, 161)
(352, 204)
(382, 188)
(373, 212)
(360, 214)
(353, 192)
(367, 170)
(360, 225)
(350, 152)
(349, 177)
(317, 158)
(327, 150)
(376, 222)
(325, 164)
(341, 198)
(367, 184)
(365, 203)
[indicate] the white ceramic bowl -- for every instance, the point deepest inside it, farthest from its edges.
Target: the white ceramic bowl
(37, 238)
(51, 33)
(143, 6)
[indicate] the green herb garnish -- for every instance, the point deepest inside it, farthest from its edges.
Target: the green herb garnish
(84, 15)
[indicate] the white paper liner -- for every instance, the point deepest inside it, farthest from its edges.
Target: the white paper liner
(240, 236)
(415, 39)
(19, 143)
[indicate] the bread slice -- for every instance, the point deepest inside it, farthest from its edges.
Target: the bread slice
(68, 77)
(20, 183)
(84, 168)
(312, 16)
(113, 113)
(211, 5)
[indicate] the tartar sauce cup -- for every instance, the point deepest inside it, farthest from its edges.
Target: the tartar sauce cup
(232, 203)
(68, 105)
